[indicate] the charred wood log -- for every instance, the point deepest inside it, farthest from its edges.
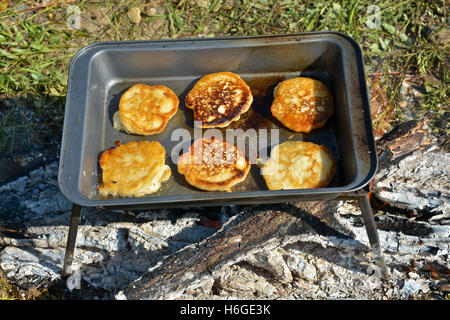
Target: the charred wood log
(275, 226)
(413, 172)
(248, 232)
(402, 141)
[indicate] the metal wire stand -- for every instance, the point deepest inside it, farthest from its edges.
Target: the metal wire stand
(361, 196)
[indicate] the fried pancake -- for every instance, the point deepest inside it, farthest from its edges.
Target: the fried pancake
(219, 99)
(212, 164)
(302, 104)
(299, 165)
(146, 110)
(134, 169)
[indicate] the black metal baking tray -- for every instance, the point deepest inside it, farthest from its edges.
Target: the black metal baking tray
(101, 72)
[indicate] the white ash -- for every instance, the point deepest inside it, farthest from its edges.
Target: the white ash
(437, 240)
(113, 249)
(240, 280)
(74, 280)
(325, 267)
(32, 267)
(419, 182)
(35, 198)
(273, 262)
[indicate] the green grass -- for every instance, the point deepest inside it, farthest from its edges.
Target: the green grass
(36, 47)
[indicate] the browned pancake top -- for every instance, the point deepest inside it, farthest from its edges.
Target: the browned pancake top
(213, 164)
(302, 104)
(218, 99)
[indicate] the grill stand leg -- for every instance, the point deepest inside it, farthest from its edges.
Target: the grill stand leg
(372, 233)
(71, 239)
(364, 204)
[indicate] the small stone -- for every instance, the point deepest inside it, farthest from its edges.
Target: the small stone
(135, 15)
(202, 3)
(444, 35)
(86, 24)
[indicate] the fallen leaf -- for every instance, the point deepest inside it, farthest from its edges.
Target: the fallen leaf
(3, 5)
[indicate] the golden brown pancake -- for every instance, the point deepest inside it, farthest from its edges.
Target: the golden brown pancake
(302, 104)
(145, 110)
(299, 165)
(219, 99)
(134, 169)
(212, 164)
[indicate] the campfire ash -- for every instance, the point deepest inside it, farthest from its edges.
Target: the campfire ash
(290, 251)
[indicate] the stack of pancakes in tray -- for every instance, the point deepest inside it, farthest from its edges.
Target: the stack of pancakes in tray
(137, 169)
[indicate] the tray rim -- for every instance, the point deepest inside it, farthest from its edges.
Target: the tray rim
(207, 197)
